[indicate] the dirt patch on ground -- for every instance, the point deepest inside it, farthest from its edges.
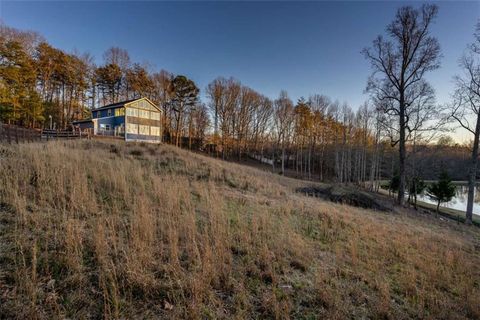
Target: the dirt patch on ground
(347, 195)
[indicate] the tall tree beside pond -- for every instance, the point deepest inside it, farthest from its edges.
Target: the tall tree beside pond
(399, 66)
(466, 106)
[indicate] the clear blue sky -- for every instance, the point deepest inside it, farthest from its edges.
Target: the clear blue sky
(303, 47)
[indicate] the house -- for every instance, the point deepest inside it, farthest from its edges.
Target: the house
(132, 120)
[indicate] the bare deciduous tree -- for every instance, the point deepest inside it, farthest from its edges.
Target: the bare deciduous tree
(467, 107)
(283, 119)
(399, 66)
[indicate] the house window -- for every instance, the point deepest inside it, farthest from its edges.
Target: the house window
(155, 115)
(143, 114)
(109, 112)
(107, 127)
(132, 128)
(155, 131)
(132, 112)
(98, 114)
(144, 130)
(119, 112)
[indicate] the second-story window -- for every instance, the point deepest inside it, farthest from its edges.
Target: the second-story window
(119, 112)
(109, 112)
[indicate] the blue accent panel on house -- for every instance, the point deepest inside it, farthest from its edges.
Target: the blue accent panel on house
(109, 121)
(112, 121)
(85, 125)
(119, 120)
(132, 136)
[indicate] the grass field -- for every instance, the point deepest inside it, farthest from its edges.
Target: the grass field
(94, 229)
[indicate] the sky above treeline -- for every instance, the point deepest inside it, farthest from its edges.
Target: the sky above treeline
(302, 47)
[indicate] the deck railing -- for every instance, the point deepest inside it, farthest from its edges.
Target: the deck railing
(110, 133)
(51, 134)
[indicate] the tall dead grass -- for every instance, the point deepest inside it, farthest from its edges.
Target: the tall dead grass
(106, 230)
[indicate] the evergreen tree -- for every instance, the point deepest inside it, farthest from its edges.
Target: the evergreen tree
(417, 186)
(109, 80)
(19, 102)
(443, 190)
(394, 183)
(185, 96)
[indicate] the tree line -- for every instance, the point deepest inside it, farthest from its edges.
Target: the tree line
(41, 84)
(314, 137)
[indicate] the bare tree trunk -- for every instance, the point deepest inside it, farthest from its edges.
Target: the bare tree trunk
(375, 157)
(310, 162)
(472, 174)
(402, 153)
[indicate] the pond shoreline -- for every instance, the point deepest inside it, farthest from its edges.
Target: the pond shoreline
(451, 213)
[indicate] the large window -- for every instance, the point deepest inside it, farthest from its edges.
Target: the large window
(132, 112)
(109, 112)
(143, 114)
(155, 131)
(144, 130)
(119, 112)
(132, 128)
(154, 115)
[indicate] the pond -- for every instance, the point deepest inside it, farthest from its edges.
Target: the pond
(459, 202)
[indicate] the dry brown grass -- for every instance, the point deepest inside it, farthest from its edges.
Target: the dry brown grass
(106, 230)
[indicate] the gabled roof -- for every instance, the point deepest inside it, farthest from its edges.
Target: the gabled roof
(123, 103)
(116, 104)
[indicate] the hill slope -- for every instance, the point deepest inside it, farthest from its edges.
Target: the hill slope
(96, 229)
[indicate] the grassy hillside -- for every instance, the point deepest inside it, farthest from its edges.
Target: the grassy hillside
(93, 229)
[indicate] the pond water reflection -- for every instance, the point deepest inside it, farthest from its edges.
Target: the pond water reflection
(459, 202)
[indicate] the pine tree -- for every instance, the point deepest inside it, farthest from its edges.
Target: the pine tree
(185, 96)
(443, 190)
(19, 102)
(394, 183)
